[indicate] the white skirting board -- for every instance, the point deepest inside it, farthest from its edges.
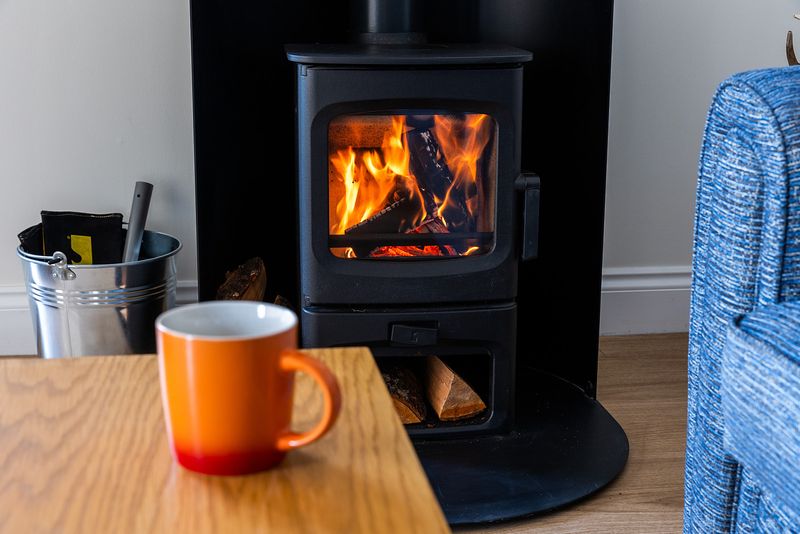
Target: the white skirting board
(16, 326)
(645, 300)
(636, 300)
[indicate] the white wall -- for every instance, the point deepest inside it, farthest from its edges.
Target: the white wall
(94, 94)
(668, 58)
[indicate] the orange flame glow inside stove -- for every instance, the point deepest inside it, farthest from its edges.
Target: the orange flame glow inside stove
(375, 178)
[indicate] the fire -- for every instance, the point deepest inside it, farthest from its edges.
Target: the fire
(425, 169)
(370, 177)
(462, 145)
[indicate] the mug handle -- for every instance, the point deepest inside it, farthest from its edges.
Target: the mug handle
(293, 361)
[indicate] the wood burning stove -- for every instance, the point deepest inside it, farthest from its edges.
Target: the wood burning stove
(408, 159)
(410, 239)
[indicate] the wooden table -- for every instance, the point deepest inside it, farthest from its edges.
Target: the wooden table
(83, 449)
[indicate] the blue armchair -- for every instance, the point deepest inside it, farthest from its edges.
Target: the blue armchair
(743, 396)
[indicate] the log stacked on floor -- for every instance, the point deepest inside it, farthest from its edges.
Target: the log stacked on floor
(246, 282)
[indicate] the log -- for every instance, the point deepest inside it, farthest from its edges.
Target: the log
(246, 282)
(431, 226)
(387, 221)
(407, 251)
(394, 219)
(406, 393)
(450, 396)
(435, 179)
(397, 215)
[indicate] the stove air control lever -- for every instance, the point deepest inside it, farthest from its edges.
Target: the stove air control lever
(402, 334)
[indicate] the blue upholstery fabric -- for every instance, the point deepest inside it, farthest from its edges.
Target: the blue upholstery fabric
(761, 407)
(746, 254)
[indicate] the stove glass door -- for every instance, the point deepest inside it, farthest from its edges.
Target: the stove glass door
(411, 186)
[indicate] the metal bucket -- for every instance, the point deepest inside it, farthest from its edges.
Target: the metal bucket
(82, 310)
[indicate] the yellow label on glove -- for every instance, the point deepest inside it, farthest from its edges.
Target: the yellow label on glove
(82, 246)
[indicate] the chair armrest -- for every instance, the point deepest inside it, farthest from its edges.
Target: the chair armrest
(761, 398)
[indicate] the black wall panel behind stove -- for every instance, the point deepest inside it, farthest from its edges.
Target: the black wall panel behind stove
(246, 206)
(244, 146)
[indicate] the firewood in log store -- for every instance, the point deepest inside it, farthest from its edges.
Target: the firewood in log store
(450, 396)
(435, 179)
(406, 393)
(247, 282)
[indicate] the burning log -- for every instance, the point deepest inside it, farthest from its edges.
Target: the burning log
(430, 226)
(435, 180)
(406, 393)
(396, 217)
(406, 251)
(389, 220)
(246, 282)
(434, 225)
(450, 396)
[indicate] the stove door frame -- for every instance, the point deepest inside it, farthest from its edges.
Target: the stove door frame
(326, 92)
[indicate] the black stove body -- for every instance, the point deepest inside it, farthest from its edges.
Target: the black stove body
(430, 268)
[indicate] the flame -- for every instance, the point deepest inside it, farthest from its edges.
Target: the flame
(471, 250)
(371, 179)
(462, 142)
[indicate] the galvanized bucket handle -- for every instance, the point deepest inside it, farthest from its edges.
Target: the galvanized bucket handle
(59, 267)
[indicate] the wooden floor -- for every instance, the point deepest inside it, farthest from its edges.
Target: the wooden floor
(642, 382)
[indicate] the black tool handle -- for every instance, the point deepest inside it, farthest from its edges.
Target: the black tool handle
(136, 221)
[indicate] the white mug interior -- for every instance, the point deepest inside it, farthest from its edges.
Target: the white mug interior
(227, 319)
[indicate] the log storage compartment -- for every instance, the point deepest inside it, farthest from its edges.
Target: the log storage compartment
(440, 393)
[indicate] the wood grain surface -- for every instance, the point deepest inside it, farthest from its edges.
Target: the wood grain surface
(83, 449)
(642, 382)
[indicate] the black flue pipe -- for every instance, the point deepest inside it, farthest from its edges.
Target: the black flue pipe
(388, 21)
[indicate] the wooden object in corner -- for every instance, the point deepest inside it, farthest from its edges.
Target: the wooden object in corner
(406, 392)
(283, 301)
(247, 282)
(450, 396)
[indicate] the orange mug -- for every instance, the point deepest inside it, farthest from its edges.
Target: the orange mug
(227, 376)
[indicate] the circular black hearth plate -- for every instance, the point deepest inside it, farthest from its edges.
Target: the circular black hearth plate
(563, 447)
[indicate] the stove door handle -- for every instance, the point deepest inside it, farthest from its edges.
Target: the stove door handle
(529, 185)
